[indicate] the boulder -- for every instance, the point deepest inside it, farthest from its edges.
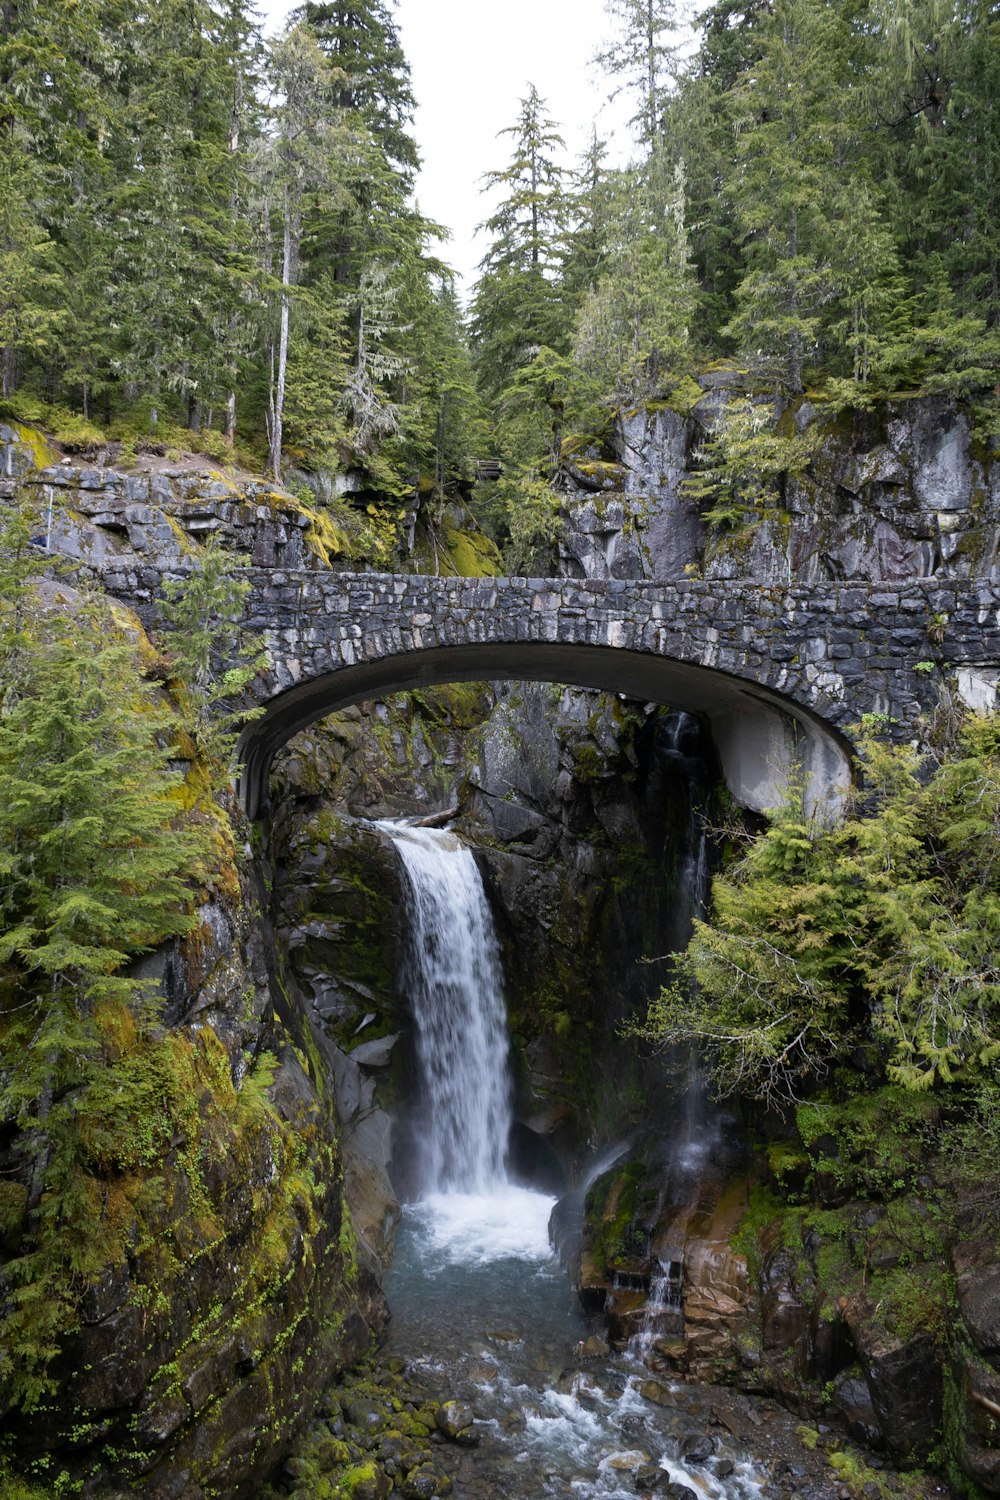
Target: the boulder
(455, 1419)
(977, 1284)
(697, 1447)
(904, 1378)
(852, 1398)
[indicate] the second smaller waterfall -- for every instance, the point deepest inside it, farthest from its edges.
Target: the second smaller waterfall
(453, 976)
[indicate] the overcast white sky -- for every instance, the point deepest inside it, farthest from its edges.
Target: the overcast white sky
(471, 62)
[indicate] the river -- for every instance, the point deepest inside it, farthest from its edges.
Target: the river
(478, 1299)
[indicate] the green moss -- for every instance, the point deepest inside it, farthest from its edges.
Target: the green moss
(43, 454)
(589, 765)
(610, 1231)
(471, 554)
(15, 1487)
(685, 396)
(788, 1165)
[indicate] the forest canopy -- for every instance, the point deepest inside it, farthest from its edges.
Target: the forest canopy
(212, 238)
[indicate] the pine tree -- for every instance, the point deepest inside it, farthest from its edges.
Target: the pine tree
(884, 926)
(788, 189)
(441, 413)
(373, 414)
(305, 162)
(30, 281)
(591, 210)
(633, 328)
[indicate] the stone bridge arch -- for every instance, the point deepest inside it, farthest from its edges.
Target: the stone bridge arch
(760, 738)
(779, 674)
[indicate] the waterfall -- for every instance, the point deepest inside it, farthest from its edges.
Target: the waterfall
(452, 974)
(681, 742)
(664, 1310)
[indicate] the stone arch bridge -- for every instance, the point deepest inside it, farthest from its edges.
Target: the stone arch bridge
(779, 673)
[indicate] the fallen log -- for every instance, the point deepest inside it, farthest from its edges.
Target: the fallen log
(435, 820)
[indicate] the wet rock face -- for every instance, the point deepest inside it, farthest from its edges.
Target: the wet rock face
(577, 812)
(977, 1285)
(904, 492)
(235, 1293)
(641, 524)
(904, 1378)
(581, 814)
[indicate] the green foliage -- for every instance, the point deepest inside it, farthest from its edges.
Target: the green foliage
(516, 309)
(885, 924)
(210, 654)
(633, 326)
(361, 41)
(208, 240)
(93, 867)
(740, 470)
(641, 57)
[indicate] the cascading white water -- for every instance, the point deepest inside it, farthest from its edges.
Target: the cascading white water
(456, 992)
(663, 1312)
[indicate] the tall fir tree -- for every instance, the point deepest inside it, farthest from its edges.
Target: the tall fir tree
(642, 58)
(361, 41)
(633, 329)
(516, 304)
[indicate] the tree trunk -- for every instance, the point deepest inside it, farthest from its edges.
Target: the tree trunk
(795, 337)
(279, 392)
(651, 71)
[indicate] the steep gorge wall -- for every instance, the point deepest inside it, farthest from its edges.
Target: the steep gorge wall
(578, 810)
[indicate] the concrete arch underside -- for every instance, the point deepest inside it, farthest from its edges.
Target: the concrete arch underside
(763, 739)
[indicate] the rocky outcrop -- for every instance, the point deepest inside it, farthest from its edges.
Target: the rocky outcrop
(904, 491)
(192, 1265)
(977, 1347)
(581, 808)
(578, 807)
(101, 516)
(337, 911)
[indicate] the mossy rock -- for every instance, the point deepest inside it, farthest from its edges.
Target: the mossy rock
(366, 1481)
(472, 554)
(612, 1235)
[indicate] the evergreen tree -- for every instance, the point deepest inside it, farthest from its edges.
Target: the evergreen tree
(441, 413)
(361, 41)
(516, 306)
(790, 188)
(884, 925)
(698, 135)
(93, 872)
(642, 58)
(591, 210)
(305, 163)
(31, 285)
(373, 414)
(633, 328)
